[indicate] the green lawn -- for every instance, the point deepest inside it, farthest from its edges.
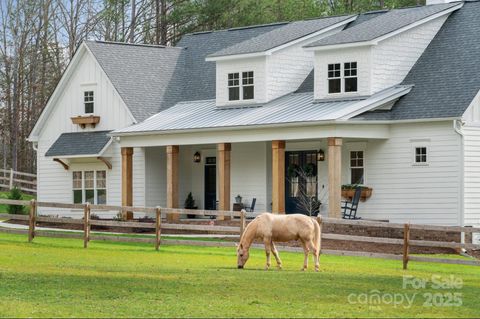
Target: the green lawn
(58, 278)
(4, 208)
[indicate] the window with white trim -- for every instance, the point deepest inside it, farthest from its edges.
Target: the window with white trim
(420, 155)
(334, 78)
(245, 91)
(342, 77)
(90, 186)
(88, 101)
(350, 76)
(357, 168)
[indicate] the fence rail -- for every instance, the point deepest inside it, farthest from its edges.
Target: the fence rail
(26, 182)
(157, 225)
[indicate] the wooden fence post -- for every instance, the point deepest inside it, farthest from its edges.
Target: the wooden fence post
(406, 239)
(86, 225)
(242, 222)
(158, 227)
(31, 224)
(320, 223)
(10, 185)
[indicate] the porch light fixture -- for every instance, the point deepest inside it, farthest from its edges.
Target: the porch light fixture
(320, 156)
(197, 157)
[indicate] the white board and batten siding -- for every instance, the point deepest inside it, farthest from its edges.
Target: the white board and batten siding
(54, 182)
(407, 192)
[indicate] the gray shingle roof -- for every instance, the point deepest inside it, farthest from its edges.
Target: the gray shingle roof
(79, 143)
(447, 75)
(199, 74)
(382, 25)
(148, 78)
(287, 33)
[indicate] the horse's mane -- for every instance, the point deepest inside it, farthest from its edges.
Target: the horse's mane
(250, 226)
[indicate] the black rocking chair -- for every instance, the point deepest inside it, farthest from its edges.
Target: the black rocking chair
(350, 207)
(252, 206)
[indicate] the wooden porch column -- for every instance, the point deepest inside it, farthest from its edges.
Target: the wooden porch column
(224, 150)
(334, 177)
(172, 181)
(278, 177)
(127, 179)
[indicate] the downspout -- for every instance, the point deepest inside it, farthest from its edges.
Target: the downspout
(457, 127)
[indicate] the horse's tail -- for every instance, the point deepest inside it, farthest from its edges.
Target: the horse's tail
(318, 233)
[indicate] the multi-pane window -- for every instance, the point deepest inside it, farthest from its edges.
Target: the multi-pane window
(342, 77)
(245, 91)
(311, 174)
(294, 162)
(77, 187)
(421, 155)
(247, 85)
(357, 168)
(350, 76)
(88, 101)
(90, 186)
(334, 78)
(233, 86)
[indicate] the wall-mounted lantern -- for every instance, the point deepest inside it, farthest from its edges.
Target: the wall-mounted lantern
(320, 155)
(197, 157)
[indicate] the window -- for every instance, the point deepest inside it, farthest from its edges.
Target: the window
(90, 186)
(350, 76)
(77, 188)
(88, 101)
(334, 80)
(233, 87)
(357, 168)
(421, 155)
(247, 87)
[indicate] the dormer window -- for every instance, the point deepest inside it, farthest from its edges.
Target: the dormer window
(350, 74)
(349, 78)
(237, 91)
(88, 102)
(334, 79)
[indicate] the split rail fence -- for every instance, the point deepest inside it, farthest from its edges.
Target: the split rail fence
(241, 217)
(26, 182)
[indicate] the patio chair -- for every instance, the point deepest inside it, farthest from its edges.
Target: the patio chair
(350, 207)
(252, 206)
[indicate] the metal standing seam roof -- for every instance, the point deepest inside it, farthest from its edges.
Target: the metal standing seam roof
(79, 144)
(292, 108)
(382, 25)
(282, 35)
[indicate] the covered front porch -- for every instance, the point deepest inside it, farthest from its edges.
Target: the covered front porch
(216, 167)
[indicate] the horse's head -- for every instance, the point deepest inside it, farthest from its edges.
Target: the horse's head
(242, 256)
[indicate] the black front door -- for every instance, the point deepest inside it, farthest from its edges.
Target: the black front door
(210, 183)
(300, 181)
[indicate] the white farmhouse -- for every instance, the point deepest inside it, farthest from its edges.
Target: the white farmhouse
(387, 99)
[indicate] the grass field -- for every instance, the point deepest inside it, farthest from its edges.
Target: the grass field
(58, 278)
(4, 208)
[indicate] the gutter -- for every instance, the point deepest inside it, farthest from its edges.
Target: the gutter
(457, 127)
(286, 124)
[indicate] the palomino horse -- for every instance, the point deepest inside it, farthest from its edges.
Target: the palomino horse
(281, 228)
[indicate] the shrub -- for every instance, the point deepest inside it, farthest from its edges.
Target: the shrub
(15, 194)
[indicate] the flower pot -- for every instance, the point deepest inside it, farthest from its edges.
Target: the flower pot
(348, 193)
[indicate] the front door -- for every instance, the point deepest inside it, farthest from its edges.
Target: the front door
(300, 181)
(210, 183)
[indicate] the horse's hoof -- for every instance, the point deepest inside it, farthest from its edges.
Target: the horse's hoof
(316, 269)
(279, 267)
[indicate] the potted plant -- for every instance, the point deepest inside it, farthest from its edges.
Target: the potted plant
(238, 199)
(190, 204)
(348, 191)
